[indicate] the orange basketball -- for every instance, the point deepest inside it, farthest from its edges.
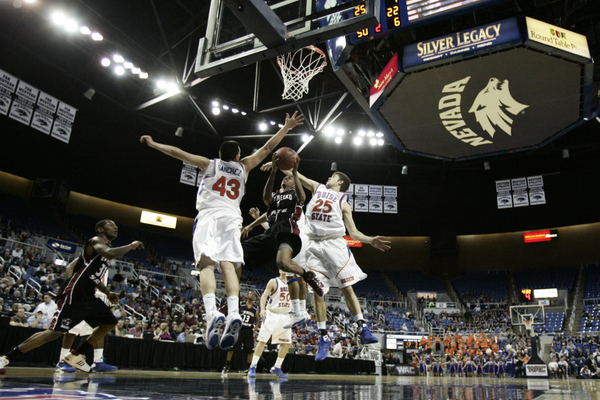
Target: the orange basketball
(286, 158)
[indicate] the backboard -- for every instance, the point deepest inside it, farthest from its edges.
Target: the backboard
(518, 313)
(227, 44)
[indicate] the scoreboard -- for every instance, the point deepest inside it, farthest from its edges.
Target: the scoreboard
(396, 15)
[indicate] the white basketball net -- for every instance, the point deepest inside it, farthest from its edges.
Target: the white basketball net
(298, 68)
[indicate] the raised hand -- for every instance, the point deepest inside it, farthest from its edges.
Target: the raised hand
(380, 244)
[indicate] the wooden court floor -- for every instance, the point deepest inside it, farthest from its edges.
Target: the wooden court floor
(43, 383)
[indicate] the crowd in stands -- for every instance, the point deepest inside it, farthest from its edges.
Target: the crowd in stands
(576, 355)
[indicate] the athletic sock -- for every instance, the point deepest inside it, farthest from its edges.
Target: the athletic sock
(82, 348)
(233, 305)
(209, 302)
(98, 355)
(321, 325)
(302, 305)
(13, 353)
(296, 305)
(359, 319)
(254, 361)
(278, 362)
(63, 353)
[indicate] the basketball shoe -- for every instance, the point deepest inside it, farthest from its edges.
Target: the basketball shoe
(225, 370)
(278, 372)
(3, 363)
(64, 367)
(296, 318)
(77, 361)
(103, 367)
(252, 372)
(324, 346)
(233, 324)
(366, 337)
(214, 322)
(310, 278)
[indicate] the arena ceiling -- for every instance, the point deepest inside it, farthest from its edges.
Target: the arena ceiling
(104, 158)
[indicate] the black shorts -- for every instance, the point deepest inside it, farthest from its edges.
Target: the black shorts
(95, 313)
(245, 339)
(262, 249)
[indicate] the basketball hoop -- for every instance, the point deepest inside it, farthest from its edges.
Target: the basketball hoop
(298, 68)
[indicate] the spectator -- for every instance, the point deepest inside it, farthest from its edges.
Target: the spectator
(19, 319)
(137, 331)
(120, 330)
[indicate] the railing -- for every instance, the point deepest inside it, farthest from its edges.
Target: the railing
(129, 310)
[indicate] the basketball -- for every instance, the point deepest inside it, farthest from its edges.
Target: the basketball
(286, 158)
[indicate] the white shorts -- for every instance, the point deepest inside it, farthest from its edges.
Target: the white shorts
(333, 262)
(272, 328)
(300, 258)
(217, 235)
(81, 329)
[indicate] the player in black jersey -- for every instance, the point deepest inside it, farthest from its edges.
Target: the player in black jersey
(281, 242)
(248, 312)
(77, 302)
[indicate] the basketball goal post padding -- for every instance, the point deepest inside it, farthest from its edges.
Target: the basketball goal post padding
(535, 367)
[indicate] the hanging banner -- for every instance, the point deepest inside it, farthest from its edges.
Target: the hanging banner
(22, 106)
(537, 195)
(188, 174)
(520, 196)
(44, 113)
(361, 190)
(65, 116)
(503, 196)
(361, 204)
(390, 205)
(376, 205)
(375, 191)
(8, 85)
(390, 191)
(350, 190)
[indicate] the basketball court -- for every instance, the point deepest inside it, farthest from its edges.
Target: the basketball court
(38, 383)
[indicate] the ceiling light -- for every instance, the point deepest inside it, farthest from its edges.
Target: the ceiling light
(29, 1)
(262, 126)
(362, 133)
(379, 134)
(235, 110)
(280, 125)
(373, 141)
(305, 138)
(328, 131)
(128, 65)
(216, 110)
(84, 30)
(380, 142)
(143, 75)
(71, 25)
(97, 37)
(58, 18)
(339, 132)
(338, 139)
(370, 134)
(225, 107)
(105, 62)
(215, 103)
(173, 87)
(119, 70)
(161, 84)
(244, 113)
(358, 140)
(118, 58)
(272, 123)
(136, 70)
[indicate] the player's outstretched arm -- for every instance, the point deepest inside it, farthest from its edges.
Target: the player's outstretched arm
(102, 248)
(175, 152)
(258, 221)
(113, 297)
(253, 160)
(375, 241)
(300, 195)
(268, 190)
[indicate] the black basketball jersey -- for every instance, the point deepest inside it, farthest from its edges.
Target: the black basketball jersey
(248, 315)
(284, 209)
(88, 272)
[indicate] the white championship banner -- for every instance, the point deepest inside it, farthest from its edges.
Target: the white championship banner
(44, 114)
(63, 124)
(8, 85)
(22, 106)
(188, 174)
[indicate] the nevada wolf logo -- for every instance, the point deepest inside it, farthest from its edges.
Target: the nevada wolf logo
(492, 103)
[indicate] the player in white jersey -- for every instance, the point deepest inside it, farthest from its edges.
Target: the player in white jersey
(217, 228)
(328, 215)
(274, 312)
